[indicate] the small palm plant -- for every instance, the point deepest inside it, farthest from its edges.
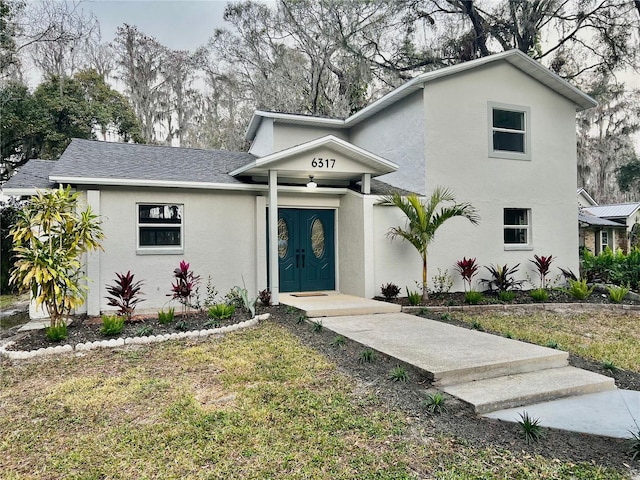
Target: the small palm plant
(424, 219)
(467, 268)
(542, 265)
(125, 294)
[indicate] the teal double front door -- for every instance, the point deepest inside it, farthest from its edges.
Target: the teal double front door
(306, 250)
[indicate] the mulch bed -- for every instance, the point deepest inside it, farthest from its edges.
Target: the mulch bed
(521, 297)
(87, 329)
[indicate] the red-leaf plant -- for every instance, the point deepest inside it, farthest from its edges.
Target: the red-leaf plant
(467, 268)
(542, 265)
(185, 284)
(125, 294)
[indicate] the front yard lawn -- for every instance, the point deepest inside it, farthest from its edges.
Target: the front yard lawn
(254, 404)
(611, 336)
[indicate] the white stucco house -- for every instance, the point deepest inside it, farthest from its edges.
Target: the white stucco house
(299, 212)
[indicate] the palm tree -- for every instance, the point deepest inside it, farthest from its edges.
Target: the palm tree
(423, 219)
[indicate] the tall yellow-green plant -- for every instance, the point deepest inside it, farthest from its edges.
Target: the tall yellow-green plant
(424, 219)
(50, 236)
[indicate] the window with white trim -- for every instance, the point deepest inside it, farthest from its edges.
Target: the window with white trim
(517, 227)
(604, 239)
(160, 226)
(509, 133)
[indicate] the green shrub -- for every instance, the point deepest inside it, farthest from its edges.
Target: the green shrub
(181, 326)
(399, 374)
(579, 289)
(617, 294)
(506, 296)
(317, 326)
(221, 311)
(551, 344)
(502, 277)
(612, 267)
(609, 365)
(144, 331)
(530, 428)
(367, 356)
(56, 333)
(539, 295)
(414, 297)
(442, 282)
(112, 324)
(166, 317)
(476, 325)
(472, 297)
(435, 403)
(338, 341)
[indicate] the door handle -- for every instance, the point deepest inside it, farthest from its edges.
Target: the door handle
(303, 257)
(297, 258)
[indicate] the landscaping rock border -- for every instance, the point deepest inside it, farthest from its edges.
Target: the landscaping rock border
(120, 342)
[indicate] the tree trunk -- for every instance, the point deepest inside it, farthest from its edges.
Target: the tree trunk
(425, 290)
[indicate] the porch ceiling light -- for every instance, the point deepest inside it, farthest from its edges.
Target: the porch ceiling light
(311, 183)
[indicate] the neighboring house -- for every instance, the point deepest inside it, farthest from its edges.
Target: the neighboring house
(299, 211)
(623, 218)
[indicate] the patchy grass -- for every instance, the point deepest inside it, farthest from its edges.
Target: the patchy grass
(598, 335)
(255, 404)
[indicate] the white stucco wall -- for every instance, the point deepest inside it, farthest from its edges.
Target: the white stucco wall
(397, 134)
(263, 141)
(351, 239)
(285, 136)
(396, 261)
(456, 125)
(219, 240)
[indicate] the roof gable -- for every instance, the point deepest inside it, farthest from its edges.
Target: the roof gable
(327, 157)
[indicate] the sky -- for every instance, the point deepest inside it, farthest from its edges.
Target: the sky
(177, 24)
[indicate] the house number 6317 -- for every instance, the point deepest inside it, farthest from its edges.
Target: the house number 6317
(323, 162)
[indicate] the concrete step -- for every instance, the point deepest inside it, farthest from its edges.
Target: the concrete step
(532, 359)
(333, 304)
(528, 388)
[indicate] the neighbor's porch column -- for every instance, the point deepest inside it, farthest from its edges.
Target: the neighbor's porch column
(274, 281)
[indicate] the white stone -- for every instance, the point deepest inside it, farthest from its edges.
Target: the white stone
(203, 333)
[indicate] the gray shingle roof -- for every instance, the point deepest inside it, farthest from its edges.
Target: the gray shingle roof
(614, 210)
(33, 174)
(90, 159)
(592, 220)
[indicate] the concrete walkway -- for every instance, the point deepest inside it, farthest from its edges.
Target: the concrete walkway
(496, 374)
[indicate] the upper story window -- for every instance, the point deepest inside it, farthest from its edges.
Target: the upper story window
(509, 133)
(160, 227)
(517, 228)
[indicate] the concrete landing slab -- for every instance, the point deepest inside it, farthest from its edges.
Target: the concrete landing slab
(330, 304)
(451, 354)
(527, 388)
(614, 413)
